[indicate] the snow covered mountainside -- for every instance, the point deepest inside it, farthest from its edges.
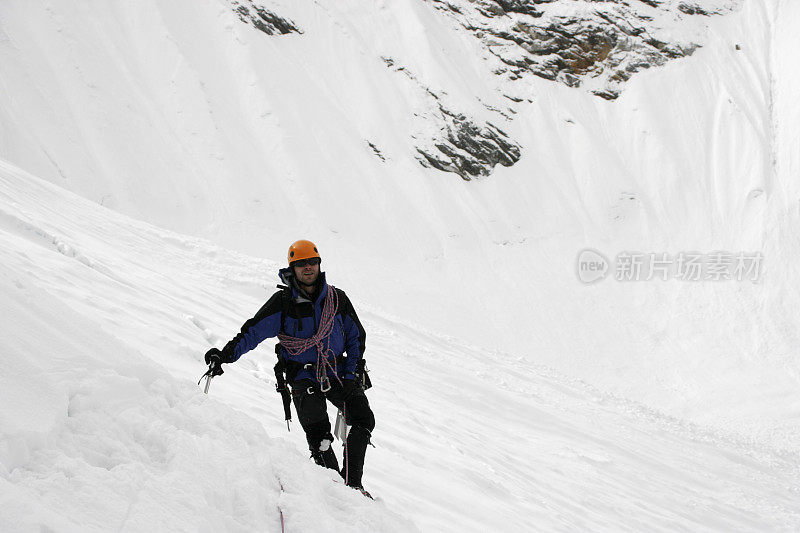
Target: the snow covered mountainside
(104, 428)
(451, 159)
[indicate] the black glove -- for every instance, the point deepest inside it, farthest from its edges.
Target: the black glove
(214, 359)
(349, 386)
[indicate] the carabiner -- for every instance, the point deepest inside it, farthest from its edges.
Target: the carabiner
(325, 385)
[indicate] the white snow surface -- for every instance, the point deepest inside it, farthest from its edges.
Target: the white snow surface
(156, 159)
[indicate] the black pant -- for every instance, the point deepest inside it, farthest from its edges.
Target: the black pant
(312, 411)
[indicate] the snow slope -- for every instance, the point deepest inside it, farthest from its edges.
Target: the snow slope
(104, 428)
(98, 432)
(180, 115)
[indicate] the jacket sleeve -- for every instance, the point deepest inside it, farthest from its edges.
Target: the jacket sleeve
(265, 324)
(354, 337)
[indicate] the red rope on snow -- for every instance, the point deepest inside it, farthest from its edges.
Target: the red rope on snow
(280, 509)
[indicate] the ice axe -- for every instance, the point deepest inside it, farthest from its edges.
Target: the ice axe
(214, 369)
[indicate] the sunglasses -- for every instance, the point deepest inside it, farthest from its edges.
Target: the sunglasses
(313, 261)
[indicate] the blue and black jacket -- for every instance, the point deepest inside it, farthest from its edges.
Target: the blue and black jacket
(290, 312)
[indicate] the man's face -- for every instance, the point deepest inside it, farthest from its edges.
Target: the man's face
(306, 273)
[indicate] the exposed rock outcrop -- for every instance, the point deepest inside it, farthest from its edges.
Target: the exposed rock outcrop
(452, 141)
(468, 149)
(263, 19)
(599, 43)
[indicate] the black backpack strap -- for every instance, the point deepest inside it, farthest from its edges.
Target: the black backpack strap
(283, 389)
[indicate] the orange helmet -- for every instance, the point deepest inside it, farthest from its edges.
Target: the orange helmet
(302, 249)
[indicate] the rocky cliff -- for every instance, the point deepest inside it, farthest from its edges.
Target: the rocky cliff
(598, 43)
